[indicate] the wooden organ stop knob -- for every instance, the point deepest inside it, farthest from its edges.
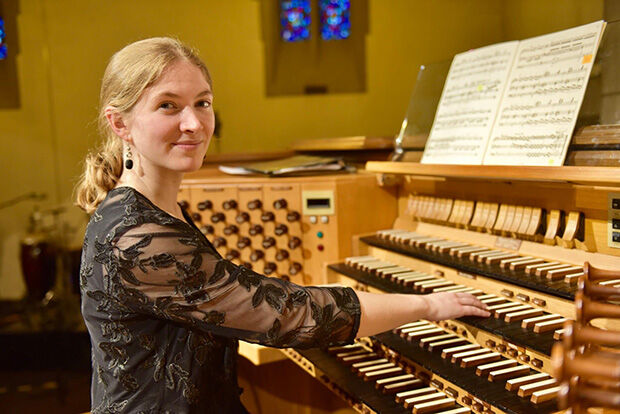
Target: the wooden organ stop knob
(567, 364)
(242, 217)
(594, 274)
(229, 204)
(294, 268)
(581, 397)
(576, 335)
(267, 216)
(256, 229)
(231, 229)
(256, 255)
(244, 242)
(294, 243)
(207, 229)
(219, 242)
(282, 255)
(205, 205)
(280, 204)
(269, 242)
(255, 204)
(218, 217)
(281, 229)
(596, 291)
(293, 216)
(587, 309)
(196, 217)
(269, 268)
(233, 254)
(184, 204)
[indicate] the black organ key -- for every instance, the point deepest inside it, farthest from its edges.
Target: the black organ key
(255, 204)
(294, 242)
(281, 229)
(280, 204)
(293, 216)
(242, 217)
(218, 217)
(269, 242)
(257, 255)
(267, 216)
(256, 229)
(229, 204)
(205, 205)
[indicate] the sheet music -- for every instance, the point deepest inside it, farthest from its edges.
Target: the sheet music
(541, 102)
(468, 105)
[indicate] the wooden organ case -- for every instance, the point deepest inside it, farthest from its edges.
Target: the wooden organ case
(286, 227)
(516, 237)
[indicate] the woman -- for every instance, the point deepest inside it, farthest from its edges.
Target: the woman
(163, 309)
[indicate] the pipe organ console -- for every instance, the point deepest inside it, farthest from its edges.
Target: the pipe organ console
(516, 238)
(286, 227)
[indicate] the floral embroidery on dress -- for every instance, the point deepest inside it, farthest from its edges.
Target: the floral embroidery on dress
(164, 311)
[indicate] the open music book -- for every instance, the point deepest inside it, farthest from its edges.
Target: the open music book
(514, 103)
(295, 165)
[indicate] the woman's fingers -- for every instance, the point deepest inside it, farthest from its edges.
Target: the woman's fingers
(475, 311)
(469, 299)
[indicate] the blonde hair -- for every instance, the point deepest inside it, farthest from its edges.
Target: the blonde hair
(130, 71)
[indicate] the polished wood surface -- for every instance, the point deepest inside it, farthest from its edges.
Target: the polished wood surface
(565, 174)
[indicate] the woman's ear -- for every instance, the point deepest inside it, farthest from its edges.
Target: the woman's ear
(117, 122)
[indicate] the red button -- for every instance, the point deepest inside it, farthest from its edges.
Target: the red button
(320, 247)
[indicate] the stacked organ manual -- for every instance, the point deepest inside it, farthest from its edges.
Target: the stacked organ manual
(514, 103)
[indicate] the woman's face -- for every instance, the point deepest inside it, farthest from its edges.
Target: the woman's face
(173, 121)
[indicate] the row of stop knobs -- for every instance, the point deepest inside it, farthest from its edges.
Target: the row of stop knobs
(254, 230)
(244, 217)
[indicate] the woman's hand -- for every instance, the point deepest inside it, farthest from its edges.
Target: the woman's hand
(448, 305)
(382, 312)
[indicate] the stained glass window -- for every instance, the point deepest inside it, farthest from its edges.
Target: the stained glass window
(2, 43)
(295, 20)
(335, 19)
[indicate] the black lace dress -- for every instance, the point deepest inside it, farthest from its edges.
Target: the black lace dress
(164, 312)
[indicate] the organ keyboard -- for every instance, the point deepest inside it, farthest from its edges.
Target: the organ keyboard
(514, 240)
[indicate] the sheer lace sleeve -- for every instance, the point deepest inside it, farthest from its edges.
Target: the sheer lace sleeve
(168, 270)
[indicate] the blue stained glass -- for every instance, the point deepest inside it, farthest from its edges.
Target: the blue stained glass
(335, 19)
(3, 51)
(295, 20)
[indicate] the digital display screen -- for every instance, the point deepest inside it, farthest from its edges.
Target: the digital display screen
(295, 20)
(3, 51)
(318, 203)
(335, 19)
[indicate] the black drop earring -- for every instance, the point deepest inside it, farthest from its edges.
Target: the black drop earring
(128, 160)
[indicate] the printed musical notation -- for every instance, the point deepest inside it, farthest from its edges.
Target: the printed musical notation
(544, 91)
(468, 105)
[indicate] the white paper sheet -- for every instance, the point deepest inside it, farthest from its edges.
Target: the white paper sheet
(538, 111)
(468, 105)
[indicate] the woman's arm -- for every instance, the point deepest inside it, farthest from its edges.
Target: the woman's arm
(383, 312)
